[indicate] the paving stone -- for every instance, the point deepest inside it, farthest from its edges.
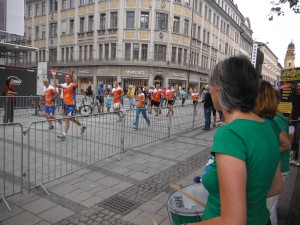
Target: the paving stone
(145, 218)
(140, 176)
(63, 188)
(78, 195)
(56, 214)
(38, 206)
(109, 181)
(86, 185)
(130, 216)
(91, 201)
(25, 218)
(5, 214)
(122, 186)
(43, 223)
(23, 199)
(94, 176)
(151, 206)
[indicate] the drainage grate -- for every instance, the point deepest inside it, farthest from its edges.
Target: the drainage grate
(119, 205)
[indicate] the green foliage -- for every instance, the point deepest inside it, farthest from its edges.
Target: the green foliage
(276, 9)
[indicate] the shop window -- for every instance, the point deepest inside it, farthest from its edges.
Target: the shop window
(84, 83)
(135, 52)
(144, 52)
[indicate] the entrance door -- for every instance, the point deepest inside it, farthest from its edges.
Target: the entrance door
(158, 79)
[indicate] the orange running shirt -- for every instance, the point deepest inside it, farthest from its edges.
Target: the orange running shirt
(170, 94)
(69, 93)
(49, 93)
(195, 97)
(117, 94)
(156, 95)
(141, 100)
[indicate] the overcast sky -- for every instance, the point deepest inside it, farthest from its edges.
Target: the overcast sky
(278, 32)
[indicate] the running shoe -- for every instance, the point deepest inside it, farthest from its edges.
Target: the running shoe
(83, 128)
(149, 124)
(135, 128)
(51, 127)
(295, 163)
(62, 137)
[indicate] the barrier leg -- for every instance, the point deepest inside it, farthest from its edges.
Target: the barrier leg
(6, 203)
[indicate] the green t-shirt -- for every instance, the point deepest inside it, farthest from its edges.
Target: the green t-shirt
(284, 156)
(257, 145)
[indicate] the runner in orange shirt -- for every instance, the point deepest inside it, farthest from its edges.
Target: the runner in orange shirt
(50, 94)
(171, 94)
(156, 98)
(117, 93)
(140, 108)
(69, 97)
(195, 97)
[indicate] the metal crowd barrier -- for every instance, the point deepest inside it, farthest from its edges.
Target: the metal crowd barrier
(11, 161)
(47, 157)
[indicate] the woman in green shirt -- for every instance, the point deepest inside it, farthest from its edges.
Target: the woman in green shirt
(244, 157)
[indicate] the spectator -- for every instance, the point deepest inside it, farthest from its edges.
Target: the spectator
(183, 96)
(245, 153)
(10, 102)
(89, 91)
(101, 97)
(130, 95)
(208, 105)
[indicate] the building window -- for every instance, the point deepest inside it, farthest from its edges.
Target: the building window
(209, 15)
(43, 31)
(67, 54)
(205, 12)
(208, 38)
(53, 5)
(177, 1)
(195, 4)
(127, 51)
(186, 27)
(53, 29)
(82, 2)
(64, 4)
(37, 33)
(184, 56)
(71, 26)
(85, 52)
(43, 8)
(29, 33)
(91, 23)
(179, 55)
(37, 9)
(199, 34)
(194, 31)
(135, 51)
(81, 24)
(102, 21)
(144, 52)
(160, 52)
(187, 2)
(173, 57)
(100, 52)
(130, 19)
(161, 21)
(200, 8)
(106, 51)
(91, 52)
(29, 11)
(204, 36)
(71, 54)
(62, 54)
(52, 55)
(63, 28)
(113, 50)
(217, 25)
(44, 55)
(91, 1)
(113, 20)
(176, 24)
(144, 20)
(80, 53)
(72, 4)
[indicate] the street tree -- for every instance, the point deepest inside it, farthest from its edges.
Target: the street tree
(277, 7)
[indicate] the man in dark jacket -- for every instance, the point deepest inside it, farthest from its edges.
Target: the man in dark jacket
(208, 105)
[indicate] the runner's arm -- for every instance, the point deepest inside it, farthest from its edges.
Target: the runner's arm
(54, 79)
(55, 94)
(73, 78)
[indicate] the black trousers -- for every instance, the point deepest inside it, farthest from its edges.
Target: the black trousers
(9, 112)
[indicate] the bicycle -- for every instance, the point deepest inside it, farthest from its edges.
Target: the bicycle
(82, 109)
(35, 105)
(95, 105)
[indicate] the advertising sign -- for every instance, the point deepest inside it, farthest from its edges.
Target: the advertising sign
(288, 83)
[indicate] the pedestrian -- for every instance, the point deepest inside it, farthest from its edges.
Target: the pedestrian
(140, 108)
(101, 97)
(130, 95)
(89, 91)
(117, 93)
(245, 152)
(10, 101)
(108, 99)
(266, 108)
(295, 117)
(156, 99)
(50, 94)
(69, 97)
(195, 97)
(208, 106)
(183, 96)
(170, 93)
